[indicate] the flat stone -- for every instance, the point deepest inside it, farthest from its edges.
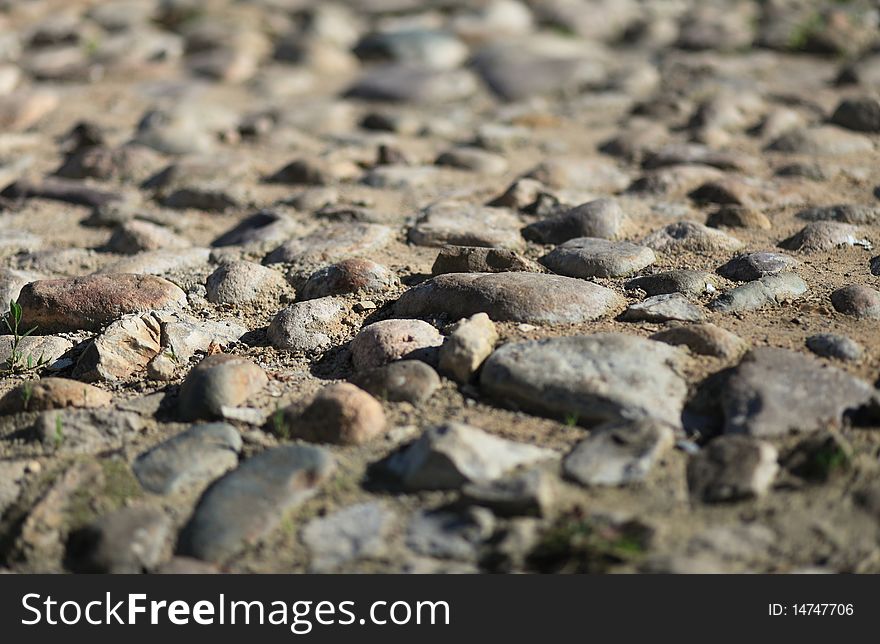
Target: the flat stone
(360, 531)
(513, 297)
(821, 140)
(137, 235)
(348, 276)
(690, 236)
(473, 159)
(122, 350)
(588, 378)
(587, 257)
(662, 308)
(772, 289)
(12, 476)
(583, 174)
(824, 235)
(196, 456)
(857, 300)
(705, 339)
(88, 303)
(403, 83)
(476, 259)
(340, 414)
(732, 468)
(313, 172)
(127, 541)
(307, 326)
(684, 281)
(468, 344)
(530, 492)
(602, 218)
(618, 454)
(845, 213)
(332, 243)
(774, 392)
(753, 266)
(263, 227)
(734, 216)
(218, 381)
(160, 262)
(241, 282)
(86, 431)
(184, 336)
(53, 393)
(460, 224)
(249, 502)
(410, 381)
(832, 345)
(389, 340)
(448, 535)
(861, 114)
(453, 454)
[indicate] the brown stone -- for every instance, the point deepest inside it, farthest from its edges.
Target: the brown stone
(341, 414)
(52, 393)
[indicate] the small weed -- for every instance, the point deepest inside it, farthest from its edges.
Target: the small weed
(17, 362)
(571, 420)
(59, 431)
(281, 430)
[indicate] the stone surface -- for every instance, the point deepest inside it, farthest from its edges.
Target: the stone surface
(772, 289)
(122, 350)
(476, 259)
(86, 431)
(450, 455)
(684, 281)
(249, 502)
(618, 454)
(587, 257)
(332, 243)
(357, 532)
(195, 456)
(469, 343)
(732, 468)
(602, 218)
(388, 340)
(832, 345)
(410, 381)
(88, 303)
(136, 236)
(690, 236)
(533, 491)
(662, 308)
(824, 235)
(774, 392)
(514, 297)
(857, 300)
(456, 223)
(241, 282)
(340, 414)
(306, 326)
(845, 213)
(348, 276)
(753, 266)
(52, 393)
(218, 381)
(704, 339)
(590, 379)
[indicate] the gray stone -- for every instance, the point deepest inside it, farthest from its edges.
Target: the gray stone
(474, 160)
(122, 350)
(857, 300)
(249, 502)
(704, 339)
(684, 281)
(38, 348)
(601, 218)
(389, 340)
(531, 492)
(860, 113)
(307, 326)
(457, 223)
(589, 378)
(137, 235)
(242, 282)
(410, 381)
(824, 235)
(845, 213)
(127, 541)
(618, 453)
(12, 475)
(690, 236)
(821, 140)
(432, 48)
(450, 535)
(753, 266)
(86, 431)
(591, 257)
(832, 345)
(475, 259)
(448, 456)
(731, 468)
(218, 381)
(160, 262)
(332, 243)
(184, 336)
(349, 276)
(773, 392)
(514, 297)
(197, 455)
(662, 308)
(772, 289)
(357, 532)
(412, 84)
